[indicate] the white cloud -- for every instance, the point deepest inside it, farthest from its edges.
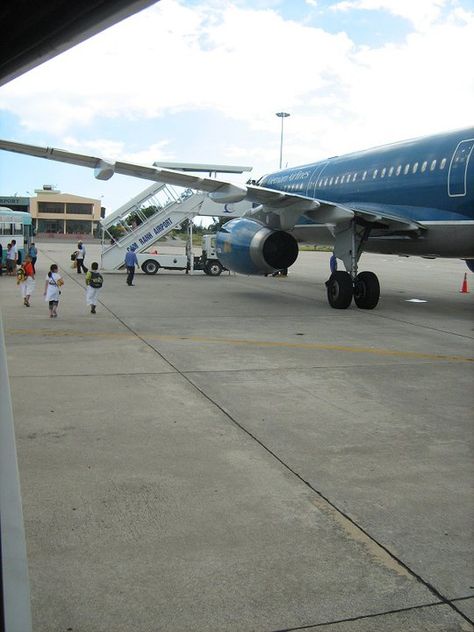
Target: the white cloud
(246, 64)
(115, 150)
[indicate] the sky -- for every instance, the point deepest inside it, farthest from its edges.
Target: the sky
(201, 81)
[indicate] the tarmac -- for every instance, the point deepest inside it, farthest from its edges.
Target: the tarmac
(229, 453)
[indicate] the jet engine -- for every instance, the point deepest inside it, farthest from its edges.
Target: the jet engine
(246, 246)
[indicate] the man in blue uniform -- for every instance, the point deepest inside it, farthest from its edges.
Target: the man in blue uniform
(130, 262)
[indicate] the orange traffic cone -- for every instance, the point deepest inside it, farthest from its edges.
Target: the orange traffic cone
(464, 289)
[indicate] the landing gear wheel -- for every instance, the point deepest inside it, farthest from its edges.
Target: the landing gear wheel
(213, 268)
(339, 288)
(366, 290)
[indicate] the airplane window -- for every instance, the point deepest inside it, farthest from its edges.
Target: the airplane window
(384, 171)
(354, 177)
(415, 168)
(336, 181)
(423, 166)
(325, 182)
(364, 175)
(407, 169)
(331, 180)
(399, 168)
(442, 164)
(433, 165)
(390, 173)
(375, 173)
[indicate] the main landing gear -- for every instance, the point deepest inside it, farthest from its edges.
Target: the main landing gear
(365, 290)
(343, 286)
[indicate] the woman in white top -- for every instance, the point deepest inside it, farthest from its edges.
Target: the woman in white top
(80, 256)
(52, 290)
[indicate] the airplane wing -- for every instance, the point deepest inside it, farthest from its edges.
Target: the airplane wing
(277, 209)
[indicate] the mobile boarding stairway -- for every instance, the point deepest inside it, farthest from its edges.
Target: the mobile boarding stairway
(173, 207)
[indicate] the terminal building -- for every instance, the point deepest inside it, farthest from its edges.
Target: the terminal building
(58, 213)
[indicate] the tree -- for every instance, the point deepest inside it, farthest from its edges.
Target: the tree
(136, 217)
(217, 223)
(116, 231)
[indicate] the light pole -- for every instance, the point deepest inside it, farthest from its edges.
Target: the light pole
(281, 115)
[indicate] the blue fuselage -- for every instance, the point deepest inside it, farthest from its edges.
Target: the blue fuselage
(429, 180)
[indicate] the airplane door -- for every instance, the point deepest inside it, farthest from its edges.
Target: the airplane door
(457, 174)
(318, 170)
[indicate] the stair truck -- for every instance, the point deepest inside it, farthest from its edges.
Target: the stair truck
(207, 261)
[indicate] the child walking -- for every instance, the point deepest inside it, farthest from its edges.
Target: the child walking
(26, 280)
(51, 290)
(94, 282)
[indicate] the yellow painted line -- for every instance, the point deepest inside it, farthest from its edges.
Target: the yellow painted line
(307, 346)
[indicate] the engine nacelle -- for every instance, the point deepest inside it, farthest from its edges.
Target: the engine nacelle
(244, 245)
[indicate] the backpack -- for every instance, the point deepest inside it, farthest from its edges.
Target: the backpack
(20, 275)
(96, 280)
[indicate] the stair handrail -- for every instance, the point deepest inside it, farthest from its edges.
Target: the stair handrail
(130, 232)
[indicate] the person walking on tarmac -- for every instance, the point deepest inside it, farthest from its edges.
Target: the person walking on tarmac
(52, 285)
(80, 256)
(94, 282)
(33, 253)
(26, 280)
(130, 262)
(12, 258)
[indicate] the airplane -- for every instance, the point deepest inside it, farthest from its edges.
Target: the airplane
(414, 197)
